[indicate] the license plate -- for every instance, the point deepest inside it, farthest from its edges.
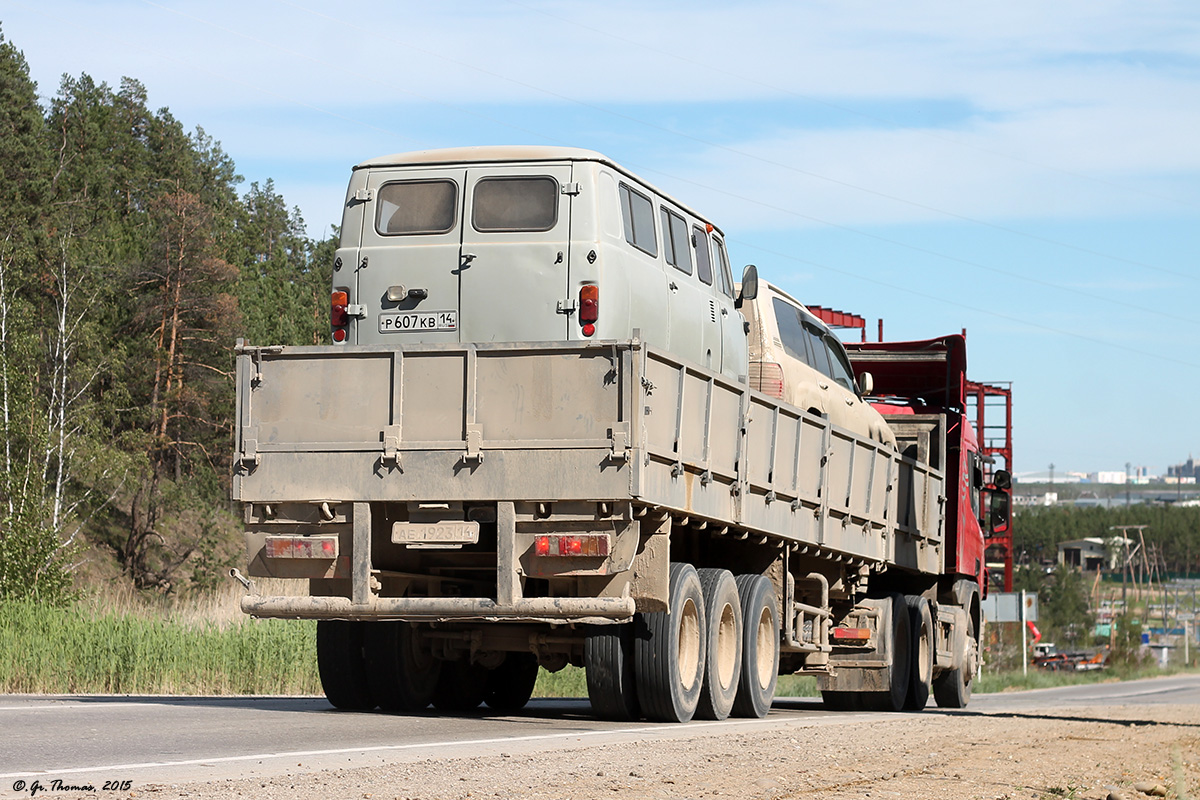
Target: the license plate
(416, 321)
(452, 533)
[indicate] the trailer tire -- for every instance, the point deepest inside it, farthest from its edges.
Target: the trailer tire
(608, 658)
(670, 650)
(342, 665)
(920, 622)
(723, 667)
(952, 688)
(510, 685)
(901, 661)
(760, 646)
(402, 675)
(461, 686)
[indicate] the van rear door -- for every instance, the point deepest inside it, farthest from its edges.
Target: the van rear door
(515, 253)
(410, 254)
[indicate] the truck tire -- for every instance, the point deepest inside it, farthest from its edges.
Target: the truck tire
(723, 667)
(510, 685)
(608, 658)
(461, 686)
(342, 665)
(901, 661)
(402, 675)
(760, 646)
(670, 650)
(920, 622)
(952, 688)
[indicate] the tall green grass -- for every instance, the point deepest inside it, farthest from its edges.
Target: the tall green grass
(81, 650)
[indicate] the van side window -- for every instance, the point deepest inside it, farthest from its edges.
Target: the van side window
(791, 330)
(408, 207)
(676, 247)
(722, 266)
(840, 364)
(515, 204)
(637, 212)
(703, 264)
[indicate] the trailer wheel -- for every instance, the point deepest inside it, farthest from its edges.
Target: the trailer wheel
(670, 650)
(760, 646)
(952, 688)
(342, 665)
(723, 667)
(608, 657)
(461, 686)
(510, 685)
(901, 661)
(402, 675)
(920, 622)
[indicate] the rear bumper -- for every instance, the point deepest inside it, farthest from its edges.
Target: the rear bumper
(444, 609)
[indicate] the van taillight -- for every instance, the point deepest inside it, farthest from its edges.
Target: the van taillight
(589, 308)
(338, 316)
(767, 377)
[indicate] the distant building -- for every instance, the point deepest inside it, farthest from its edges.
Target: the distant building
(1093, 553)
(1187, 469)
(1045, 499)
(1107, 477)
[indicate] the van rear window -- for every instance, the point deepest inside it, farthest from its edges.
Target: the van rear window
(417, 207)
(515, 204)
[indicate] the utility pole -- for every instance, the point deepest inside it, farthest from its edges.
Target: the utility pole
(1126, 569)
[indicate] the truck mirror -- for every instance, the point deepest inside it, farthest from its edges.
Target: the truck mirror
(1003, 479)
(749, 286)
(866, 384)
(999, 509)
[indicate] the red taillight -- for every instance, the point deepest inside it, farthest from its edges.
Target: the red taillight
(587, 545)
(852, 635)
(767, 377)
(339, 334)
(589, 307)
(337, 310)
(301, 547)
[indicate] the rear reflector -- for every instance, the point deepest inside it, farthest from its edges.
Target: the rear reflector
(586, 545)
(851, 635)
(337, 309)
(589, 303)
(301, 547)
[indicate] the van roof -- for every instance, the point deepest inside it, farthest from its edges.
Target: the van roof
(491, 154)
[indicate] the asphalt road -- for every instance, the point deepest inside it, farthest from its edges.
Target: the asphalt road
(94, 739)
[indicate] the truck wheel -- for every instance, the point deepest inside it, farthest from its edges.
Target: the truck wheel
(920, 622)
(952, 688)
(670, 649)
(901, 661)
(608, 658)
(461, 686)
(402, 675)
(342, 665)
(510, 685)
(760, 646)
(723, 667)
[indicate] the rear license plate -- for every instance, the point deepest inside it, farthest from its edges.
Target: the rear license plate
(415, 321)
(434, 534)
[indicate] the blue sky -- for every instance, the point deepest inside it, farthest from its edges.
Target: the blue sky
(1028, 171)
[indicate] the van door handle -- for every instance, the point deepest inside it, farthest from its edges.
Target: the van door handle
(849, 402)
(823, 385)
(467, 258)
(672, 286)
(724, 312)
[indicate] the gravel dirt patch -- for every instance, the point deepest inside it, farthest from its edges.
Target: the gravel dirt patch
(1082, 753)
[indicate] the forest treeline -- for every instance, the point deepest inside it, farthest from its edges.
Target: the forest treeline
(1171, 534)
(129, 265)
